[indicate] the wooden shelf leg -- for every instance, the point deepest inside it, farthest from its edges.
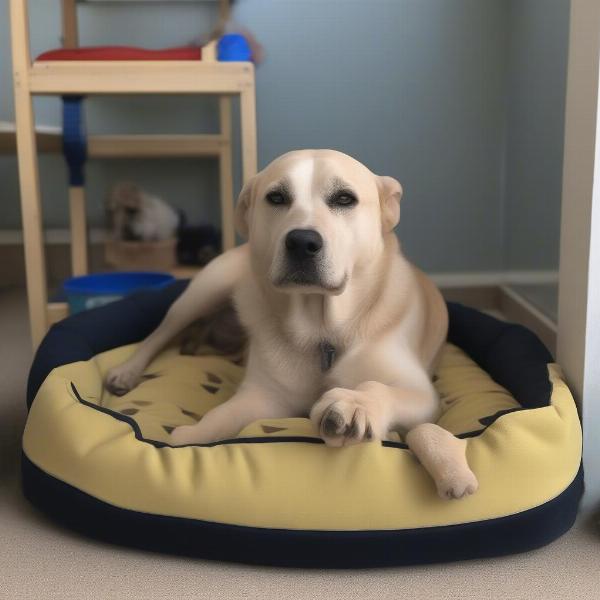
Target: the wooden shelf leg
(31, 214)
(248, 130)
(226, 175)
(69, 24)
(79, 249)
(31, 207)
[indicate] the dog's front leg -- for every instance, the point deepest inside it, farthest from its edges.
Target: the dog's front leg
(225, 421)
(209, 289)
(372, 409)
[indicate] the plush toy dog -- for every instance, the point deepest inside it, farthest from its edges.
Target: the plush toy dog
(136, 215)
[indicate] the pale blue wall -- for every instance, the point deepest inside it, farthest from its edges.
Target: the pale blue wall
(414, 88)
(537, 65)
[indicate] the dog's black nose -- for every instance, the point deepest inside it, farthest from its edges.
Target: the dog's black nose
(303, 243)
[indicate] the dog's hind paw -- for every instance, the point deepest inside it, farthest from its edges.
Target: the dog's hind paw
(458, 485)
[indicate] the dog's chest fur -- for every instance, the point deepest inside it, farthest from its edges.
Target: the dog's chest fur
(298, 339)
(286, 340)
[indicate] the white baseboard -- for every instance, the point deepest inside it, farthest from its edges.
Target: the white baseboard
(494, 278)
(531, 308)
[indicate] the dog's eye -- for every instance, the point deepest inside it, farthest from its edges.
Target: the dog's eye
(343, 199)
(276, 198)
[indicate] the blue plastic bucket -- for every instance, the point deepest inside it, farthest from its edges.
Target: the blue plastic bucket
(90, 291)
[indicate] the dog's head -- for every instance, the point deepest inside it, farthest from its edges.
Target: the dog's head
(123, 206)
(316, 217)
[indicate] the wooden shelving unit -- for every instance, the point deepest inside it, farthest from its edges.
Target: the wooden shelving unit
(206, 76)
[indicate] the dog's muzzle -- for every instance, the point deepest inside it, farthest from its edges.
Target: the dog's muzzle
(303, 255)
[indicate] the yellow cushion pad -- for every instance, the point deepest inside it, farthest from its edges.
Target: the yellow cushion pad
(178, 390)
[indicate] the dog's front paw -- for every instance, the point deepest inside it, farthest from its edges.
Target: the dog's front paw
(457, 485)
(183, 435)
(122, 379)
(346, 417)
(186, 435)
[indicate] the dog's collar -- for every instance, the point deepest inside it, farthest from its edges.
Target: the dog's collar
(327, 353)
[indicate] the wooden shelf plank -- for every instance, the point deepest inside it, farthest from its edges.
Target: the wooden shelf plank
(45, 142)
(155, 146)
(140, 77)
(129, 146)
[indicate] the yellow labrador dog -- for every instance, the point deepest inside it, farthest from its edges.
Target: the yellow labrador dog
(341, 326)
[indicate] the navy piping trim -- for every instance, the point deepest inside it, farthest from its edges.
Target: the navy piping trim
(254, 440)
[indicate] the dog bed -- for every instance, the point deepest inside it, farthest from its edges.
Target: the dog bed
(276, 494)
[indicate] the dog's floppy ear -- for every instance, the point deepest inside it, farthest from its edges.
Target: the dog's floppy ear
(243, 206)
(390, 192)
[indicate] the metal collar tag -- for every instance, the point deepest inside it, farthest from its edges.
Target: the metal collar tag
(327, 353)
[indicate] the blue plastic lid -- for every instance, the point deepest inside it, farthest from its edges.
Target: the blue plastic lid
(233, 47)
(116, 283)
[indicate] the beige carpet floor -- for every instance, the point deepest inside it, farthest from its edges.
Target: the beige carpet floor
(39, 560)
